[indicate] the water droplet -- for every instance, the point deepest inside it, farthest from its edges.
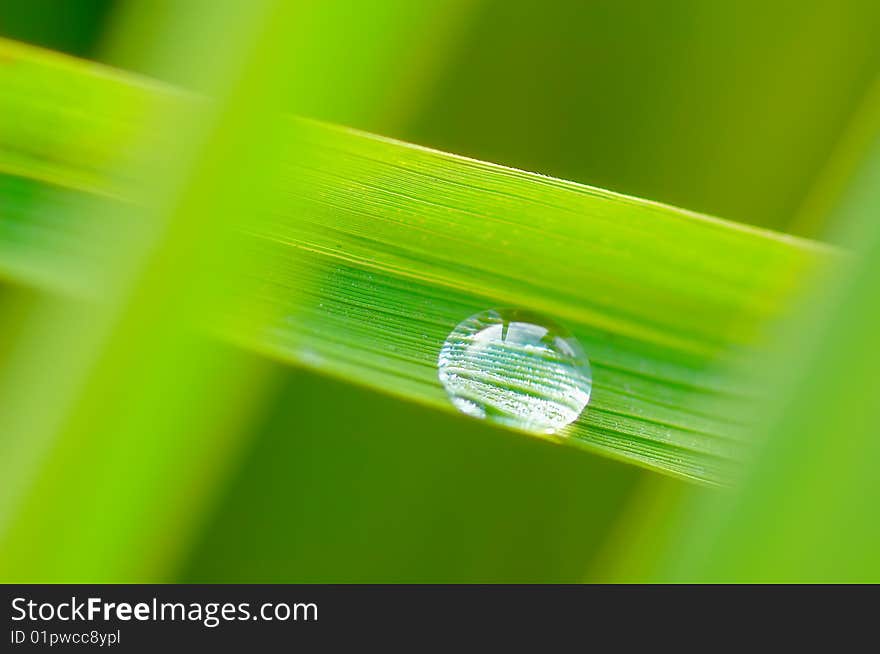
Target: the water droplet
(515, 368)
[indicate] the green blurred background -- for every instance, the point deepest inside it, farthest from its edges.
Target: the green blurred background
(736, 109)
(728, 108)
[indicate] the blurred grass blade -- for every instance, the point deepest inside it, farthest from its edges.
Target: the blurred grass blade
(842, 191)
(805, 512)
(375, 249)
(124, 443)
(123, 412)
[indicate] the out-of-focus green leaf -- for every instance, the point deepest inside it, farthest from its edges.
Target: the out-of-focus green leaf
(806, 509)
(835, 204)
(127, 438)
(90, 450)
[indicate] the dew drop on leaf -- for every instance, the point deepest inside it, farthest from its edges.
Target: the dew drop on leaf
(516, 368)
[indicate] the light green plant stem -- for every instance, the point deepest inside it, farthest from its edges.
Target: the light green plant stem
(122, 446)
(375, 249)
(837, 198)
(117, 452)
(807, 510)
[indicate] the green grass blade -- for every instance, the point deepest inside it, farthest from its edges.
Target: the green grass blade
(118, 451)
(806, 512)
(376, 249)
(117, 445)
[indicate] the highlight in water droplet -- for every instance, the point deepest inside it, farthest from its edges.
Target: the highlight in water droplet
(515, 368)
